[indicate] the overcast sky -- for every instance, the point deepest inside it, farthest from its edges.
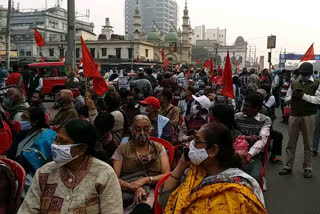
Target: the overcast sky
(294, 22)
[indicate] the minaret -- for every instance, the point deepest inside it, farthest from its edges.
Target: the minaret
(185, 25)
(137, 23)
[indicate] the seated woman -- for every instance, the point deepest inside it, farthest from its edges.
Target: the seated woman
(214, 183)
(140, 164)
(32, 145)
(76, 182)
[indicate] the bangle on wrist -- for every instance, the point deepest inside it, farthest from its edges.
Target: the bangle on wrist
(151, 179)
(175, 177)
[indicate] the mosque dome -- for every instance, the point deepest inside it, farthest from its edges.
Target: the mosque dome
(154, 35)
(172, 36)
(240, 41)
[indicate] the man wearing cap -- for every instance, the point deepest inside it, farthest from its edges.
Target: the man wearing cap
(199, 116)
(161, 126)
(303, 96)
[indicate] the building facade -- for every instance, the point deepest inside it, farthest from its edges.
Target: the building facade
(162, 12)
(104, 51)
(237, 51)
(51, 23)
(198, 33)
(217, 35)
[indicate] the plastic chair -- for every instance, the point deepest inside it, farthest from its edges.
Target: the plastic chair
(264, 161)
(166, 145)
(20, 174)
(157, 207)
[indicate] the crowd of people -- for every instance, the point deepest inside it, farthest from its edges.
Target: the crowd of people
(105, 154)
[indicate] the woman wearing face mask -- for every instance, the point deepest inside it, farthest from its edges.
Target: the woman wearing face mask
(140, 164)
(214, 183)
(31, 146)
(75, 182)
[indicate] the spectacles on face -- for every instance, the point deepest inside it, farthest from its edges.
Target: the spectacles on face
(60, 141)
(198, 142)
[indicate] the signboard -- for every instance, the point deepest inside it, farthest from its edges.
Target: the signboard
(271, 42)
(123, 82)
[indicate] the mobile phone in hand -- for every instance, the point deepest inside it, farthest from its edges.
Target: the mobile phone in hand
(186, 153)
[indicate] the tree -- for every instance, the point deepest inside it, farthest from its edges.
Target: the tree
(199, 53)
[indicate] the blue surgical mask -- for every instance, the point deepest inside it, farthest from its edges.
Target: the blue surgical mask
(7, 102)
(25, 125)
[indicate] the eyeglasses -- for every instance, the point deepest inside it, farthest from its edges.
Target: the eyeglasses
(197, 142)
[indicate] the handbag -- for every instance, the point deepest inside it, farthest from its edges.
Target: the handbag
(40, 151)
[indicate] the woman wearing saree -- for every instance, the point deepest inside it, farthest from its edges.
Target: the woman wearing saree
(214, 183)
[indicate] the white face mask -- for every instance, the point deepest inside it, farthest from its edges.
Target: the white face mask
(61, 154)
(197, 156)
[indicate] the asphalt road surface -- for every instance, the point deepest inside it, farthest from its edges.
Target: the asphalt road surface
(290, 194)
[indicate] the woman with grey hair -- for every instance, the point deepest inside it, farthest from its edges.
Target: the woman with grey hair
(139, 165)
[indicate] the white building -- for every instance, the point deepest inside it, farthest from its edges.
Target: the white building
(198, 33)
(218, 35)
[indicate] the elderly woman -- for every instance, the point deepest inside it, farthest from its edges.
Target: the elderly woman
(140, 164)
(76, 182)
(214, 183)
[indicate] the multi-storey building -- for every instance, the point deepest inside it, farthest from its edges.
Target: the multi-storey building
(162, 12)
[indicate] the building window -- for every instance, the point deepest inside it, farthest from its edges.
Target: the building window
(77, 52)
(92, 51)
(130, 53)
(21, 52)
(61, 52)
(118, 53)
(147, 53)
(28, 53)
(51, 52)
(104, 51)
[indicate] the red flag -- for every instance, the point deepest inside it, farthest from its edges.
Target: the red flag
(309, 55)
(89, 66)
(199, 62)
(227, 89)
(90, 70)
(207, 64)
(188, 73)
(162, 55)
(138, 59)
(165, 64)
(211, 71)
(39, 39)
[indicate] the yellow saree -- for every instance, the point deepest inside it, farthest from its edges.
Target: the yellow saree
(220, 198)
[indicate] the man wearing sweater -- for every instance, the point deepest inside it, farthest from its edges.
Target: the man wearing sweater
(303, 96)
(256, 129)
